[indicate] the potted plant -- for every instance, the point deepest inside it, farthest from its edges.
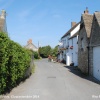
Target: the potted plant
(71, 47)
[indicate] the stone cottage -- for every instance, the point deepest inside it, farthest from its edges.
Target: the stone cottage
(83, 41)
(94, 56)
(31, 46)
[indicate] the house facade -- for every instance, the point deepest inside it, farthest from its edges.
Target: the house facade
(62, 48)
(31, 46)
(3, 26)
(72, 52)
(83, 41)
(73, 49)
(81, 44)
(94, 54)
(69, 39)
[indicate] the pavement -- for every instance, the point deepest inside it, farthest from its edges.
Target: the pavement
(55, 81)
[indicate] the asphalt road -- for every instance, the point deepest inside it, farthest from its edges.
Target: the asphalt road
(53, 81)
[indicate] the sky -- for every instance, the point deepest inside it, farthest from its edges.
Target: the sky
(43, 21)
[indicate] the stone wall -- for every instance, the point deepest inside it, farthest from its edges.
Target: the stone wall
(29, 70)
(83, 52)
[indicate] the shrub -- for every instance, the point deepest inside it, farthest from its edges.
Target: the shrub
(34, 54)
(14, 61)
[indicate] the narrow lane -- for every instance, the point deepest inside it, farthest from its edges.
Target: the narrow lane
(53, 81)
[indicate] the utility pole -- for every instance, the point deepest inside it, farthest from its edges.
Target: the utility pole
(38, 49)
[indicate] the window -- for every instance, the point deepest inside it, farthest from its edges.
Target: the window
(82, 43)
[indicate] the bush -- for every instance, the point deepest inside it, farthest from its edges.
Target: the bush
(14, 61)
(45, 51)
(34, 54)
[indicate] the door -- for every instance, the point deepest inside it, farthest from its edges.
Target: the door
(68, 59)
(96, 62)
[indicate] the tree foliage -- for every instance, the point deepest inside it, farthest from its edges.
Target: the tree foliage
(47, 50)
(35, 54)
(54, 51)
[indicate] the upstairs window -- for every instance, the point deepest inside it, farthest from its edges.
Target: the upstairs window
(82, 43)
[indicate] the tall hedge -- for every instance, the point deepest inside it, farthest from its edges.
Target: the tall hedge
(14, 61)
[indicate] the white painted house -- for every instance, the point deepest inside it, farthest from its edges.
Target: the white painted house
(70, 38)
(72, 52)
(62, 48)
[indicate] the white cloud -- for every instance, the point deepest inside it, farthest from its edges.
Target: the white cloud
(5, 4)
(24, 13)
(56, 16)
(1, 1)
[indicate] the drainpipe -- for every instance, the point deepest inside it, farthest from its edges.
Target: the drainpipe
(88, 57)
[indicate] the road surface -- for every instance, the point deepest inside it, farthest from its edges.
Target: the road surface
(54, 81)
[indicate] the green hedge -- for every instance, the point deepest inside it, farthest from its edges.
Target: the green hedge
(35, 54)
(14, 61)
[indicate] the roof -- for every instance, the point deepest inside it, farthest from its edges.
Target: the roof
(68, 32)
(2, 22)
(97, 15)
(87, 20)
(74, 35)
(31, 46)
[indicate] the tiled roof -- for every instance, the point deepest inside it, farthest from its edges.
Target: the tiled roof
(87, 19)
(97, 15)
(68, 32)
(1, 24)
(31, 46)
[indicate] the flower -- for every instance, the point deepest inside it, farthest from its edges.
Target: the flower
(71, 47)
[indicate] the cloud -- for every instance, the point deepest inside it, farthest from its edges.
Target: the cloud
(1, 1)
(28, 10)
(5, 4)
(40, 37)
(56, 16)
(24, 13)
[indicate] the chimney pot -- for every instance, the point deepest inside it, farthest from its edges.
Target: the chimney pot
(86, 11)
(29, 41)
(3, 14)
(73, 24)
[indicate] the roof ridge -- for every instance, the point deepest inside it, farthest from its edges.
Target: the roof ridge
(70, 30)
(97, 16)
(87, 19)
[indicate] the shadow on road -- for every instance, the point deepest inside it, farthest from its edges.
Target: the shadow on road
(77, 72)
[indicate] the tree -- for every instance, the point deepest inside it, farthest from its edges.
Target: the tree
(54, 51)
(45, 51)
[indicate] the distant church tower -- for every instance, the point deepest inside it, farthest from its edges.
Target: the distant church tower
(3, 14)
(3, 26)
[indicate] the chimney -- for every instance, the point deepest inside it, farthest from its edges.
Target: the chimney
(73, 24)
(29, 41)
(86, 11)
(3, 14)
